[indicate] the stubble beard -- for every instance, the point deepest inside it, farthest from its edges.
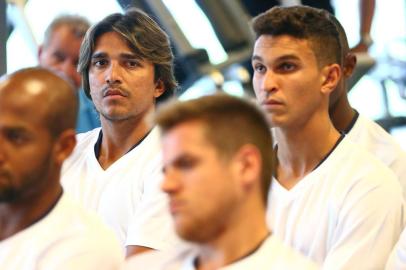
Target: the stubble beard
(33, 181)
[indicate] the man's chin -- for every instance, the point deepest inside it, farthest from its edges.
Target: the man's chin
(8, 195)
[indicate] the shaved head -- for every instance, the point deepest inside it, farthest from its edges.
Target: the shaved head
(37, 132)
(43, 96)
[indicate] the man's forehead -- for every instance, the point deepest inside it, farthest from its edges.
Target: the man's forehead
(13, 124)
(186, 134)
(103, 44)
(19, 117)
(282, 48)
(66, 31)
(282, 41)
(24, 97)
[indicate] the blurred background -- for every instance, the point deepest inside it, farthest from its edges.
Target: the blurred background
(213, 44)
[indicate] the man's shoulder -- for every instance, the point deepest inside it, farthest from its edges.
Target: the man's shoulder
(160, 260)
(397, 258)
(147, 153)
(272, 253)
(375, 139)
(80, 235)
(352, 165)
(74, 219)
(88, 137)
(66, 233)
(152, 142)
(351, 154)
(280, 256)
(368, 125)
(84, 143)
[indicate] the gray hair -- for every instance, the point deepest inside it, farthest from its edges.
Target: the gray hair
(78, 24)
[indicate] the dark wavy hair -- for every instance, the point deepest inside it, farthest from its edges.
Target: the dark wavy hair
(144, 37)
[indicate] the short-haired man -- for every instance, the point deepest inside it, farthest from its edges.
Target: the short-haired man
(330, 199)
(358, 128)
(41, 228)
(126, 64)
(217, 180)
(60, 52)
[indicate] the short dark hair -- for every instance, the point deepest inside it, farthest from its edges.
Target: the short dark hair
(78, 25)
(144, 37)
(221, 115)
(342, 37)
(302, 22)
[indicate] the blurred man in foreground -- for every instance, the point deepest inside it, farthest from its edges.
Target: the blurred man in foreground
(217, 180)
(40, 227)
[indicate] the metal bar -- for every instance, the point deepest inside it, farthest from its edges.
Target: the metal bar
(3, 38)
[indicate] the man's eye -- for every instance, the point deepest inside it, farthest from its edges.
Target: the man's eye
(287, 67)
(259, 68)
(16, 137)
(99, 63)
(133, 63)
(185, 163)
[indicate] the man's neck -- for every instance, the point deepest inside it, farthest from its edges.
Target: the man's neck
(234, 243)
(342, 114)
(17, 216)
(119, 137)
(302, 149)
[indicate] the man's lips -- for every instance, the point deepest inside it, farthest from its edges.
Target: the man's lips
(174, 206)
(271, 102)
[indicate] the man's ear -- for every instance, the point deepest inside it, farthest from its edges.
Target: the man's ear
(64, 145)
(331, 77)
(248, 165)
(40, 51)
(159, 88)
(350, 61)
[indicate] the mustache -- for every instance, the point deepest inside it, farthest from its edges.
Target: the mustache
(117, 89)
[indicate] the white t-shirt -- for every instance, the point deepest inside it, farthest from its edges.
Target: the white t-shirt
(346, 214)
(397, 259)
(272, 254)
(376, 140)
(68, 237)
(127, 195)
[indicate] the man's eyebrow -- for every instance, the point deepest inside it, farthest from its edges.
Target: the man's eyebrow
(281, 58)
(256, 57)
(125, 56)
(18, 128)
(130, 56)
(288, 57)
(99, 55)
